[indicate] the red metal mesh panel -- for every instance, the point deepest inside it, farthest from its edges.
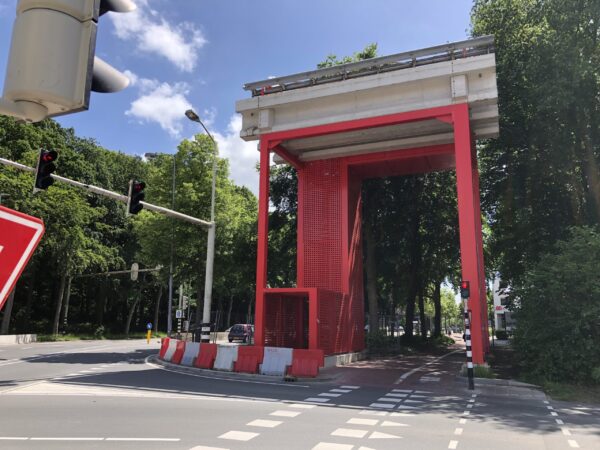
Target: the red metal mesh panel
(283, 320)
(322, 223)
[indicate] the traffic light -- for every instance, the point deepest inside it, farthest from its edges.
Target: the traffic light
(136, 195)
(465, 291)
(51, 67)
(45, 167)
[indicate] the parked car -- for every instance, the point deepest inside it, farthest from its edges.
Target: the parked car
(241, 331)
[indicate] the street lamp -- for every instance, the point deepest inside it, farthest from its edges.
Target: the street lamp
(170, 305)
(210, 244)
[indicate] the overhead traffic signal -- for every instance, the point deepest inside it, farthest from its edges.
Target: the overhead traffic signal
(465, 291)
(45, 167)
(51, 67)
(136, 196)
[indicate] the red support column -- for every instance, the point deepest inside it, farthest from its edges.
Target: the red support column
(263, 242)
(470, 227)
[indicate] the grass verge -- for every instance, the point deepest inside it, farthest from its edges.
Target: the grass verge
(92, 337)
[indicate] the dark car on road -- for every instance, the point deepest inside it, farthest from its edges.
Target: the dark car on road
(241, 332)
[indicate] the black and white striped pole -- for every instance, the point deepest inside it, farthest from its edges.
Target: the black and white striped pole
(465, 294)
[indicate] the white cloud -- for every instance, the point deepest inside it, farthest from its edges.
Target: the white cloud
(179, 43)
(242, 155)
(162, 103)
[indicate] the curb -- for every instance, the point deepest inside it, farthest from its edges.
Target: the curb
(153, 359)
(500, 382)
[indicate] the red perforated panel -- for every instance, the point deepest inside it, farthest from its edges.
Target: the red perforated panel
(284, 321)
(322, 224)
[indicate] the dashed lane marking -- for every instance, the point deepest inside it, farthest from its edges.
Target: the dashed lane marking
(238, 435)
(359, 421)
(350, 432)
(301, 406)
(342, 391)
(350, 387)
(416, 369)
(264, 423)
(389, 423)
(284, 413)
(453, 444)
(559, 422)
(395, 394)
(329, 394)
(458, 431)
(573, 444)
(379, 435)
(317, 399)
(368, 412)
(382, 405)
(565, 431)
(406, 391)
(389, 399)
(331, 446)
(462, 421)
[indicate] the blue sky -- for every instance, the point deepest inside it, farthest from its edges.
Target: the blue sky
(199, 53)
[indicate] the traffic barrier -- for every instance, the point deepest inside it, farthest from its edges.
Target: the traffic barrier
(206, 357)
(164, 345)
(249, 358)
(226, 356)
(168, 355)
(192, 349)
(179, 350)
(306, 363)
(276, 360)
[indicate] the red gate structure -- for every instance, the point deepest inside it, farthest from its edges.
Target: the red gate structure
(340, 126)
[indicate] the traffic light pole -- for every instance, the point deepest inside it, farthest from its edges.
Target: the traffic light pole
(115, 196)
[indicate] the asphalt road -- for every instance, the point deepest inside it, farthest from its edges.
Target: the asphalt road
(107, 395)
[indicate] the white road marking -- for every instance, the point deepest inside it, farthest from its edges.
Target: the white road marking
(301, 406)
(389, 423)
(143, 439)
(264, 423)
(406, 391)
(458, 431)
(329, 394)
(350, 432)
(429, 379)
(330, 446)
(401, 414)
(12, 438)
(26, 348)
(202, 447)
(368, 412)
(453, 444)
(381, 405)
(470, 406)
(316, 399)
(573, 444)
(466, 413)
(66, 439)
(389, 399)
(546, 402)
(565, 431)
(462, 421)
(559, 422)
(407, 374)
(554, 413)
(283, 413)
(379, 435)
(472, 400)
(359, 421)
(238, 435)
(394, 394)
(406, 407)
(413, 401)
(418, 396)
(350, 387)
(550, 407)
(473, 395)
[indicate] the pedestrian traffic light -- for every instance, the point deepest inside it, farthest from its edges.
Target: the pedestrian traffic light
(51, 67)
(136, 195)
(465, 291)
(45, 167)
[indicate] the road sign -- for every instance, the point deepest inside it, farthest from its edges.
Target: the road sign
(179, 314)
(19, 236)
(149, 326)
(135, 270)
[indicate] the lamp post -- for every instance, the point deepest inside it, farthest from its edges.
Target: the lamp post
(170, 305)
(210, 244)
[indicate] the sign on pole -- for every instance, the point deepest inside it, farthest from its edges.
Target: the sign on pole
(19, 236)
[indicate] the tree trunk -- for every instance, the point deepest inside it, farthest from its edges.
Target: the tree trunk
(250, 319)
(157, 308)
(130, 315)
(59, 301)
(229, 308)
(101, 302)
(8, 312)
(371, 271)
(67, 299)
(29, 301)
(422, 312)
(437, 303)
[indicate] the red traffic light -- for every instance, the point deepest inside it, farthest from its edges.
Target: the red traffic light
(49, 156)
(464, 289)
(138, 186)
